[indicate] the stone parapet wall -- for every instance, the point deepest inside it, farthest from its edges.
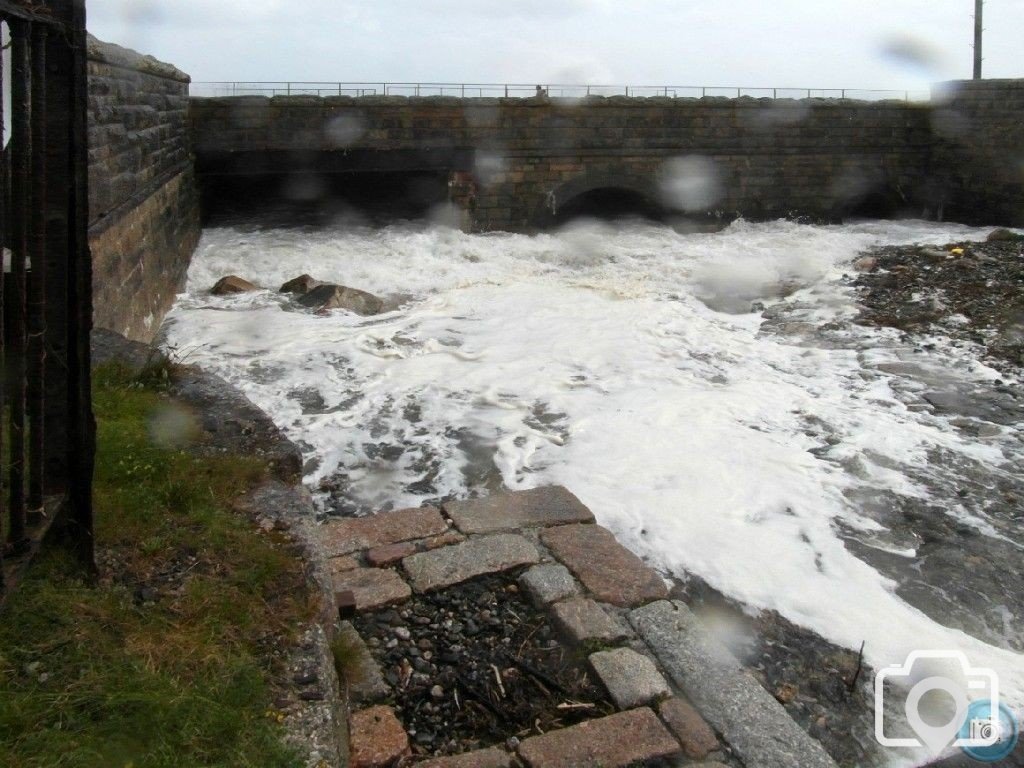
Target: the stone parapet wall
(979, 149)
(769, 158)
(143, 199)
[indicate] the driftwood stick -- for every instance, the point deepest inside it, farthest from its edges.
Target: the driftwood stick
(860, 665)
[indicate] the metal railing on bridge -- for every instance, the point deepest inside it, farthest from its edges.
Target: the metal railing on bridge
(552, 90)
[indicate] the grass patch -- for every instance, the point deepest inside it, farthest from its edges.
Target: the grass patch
(170, 659)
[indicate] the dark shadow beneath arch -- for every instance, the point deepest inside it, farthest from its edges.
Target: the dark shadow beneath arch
(609, 204)
(314, 199)
(878, 204)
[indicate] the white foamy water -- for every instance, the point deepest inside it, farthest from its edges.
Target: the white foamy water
(599, 358)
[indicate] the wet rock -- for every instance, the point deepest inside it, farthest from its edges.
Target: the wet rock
(1002, 235)
(329, 296)
(301, 285)
(232, 284)
(866, 264)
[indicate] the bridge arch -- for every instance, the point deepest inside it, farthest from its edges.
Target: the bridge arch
(601, 195)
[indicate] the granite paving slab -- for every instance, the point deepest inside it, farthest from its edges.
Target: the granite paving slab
(514, 510)
(610, 571)
(751, 721)
(446, 566)
(372, 587)
(608, 742)
(344, 536)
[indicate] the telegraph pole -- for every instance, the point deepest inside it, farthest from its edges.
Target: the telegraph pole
(978, 8)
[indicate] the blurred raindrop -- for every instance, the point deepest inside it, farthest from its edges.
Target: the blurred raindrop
(171, 426)
(446, 215)
(916, 56)
(787, 112)
(488, 167)
(304, 187)
(345, 130)
(692, 183)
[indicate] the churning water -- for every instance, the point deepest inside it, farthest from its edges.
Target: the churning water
(705, 394)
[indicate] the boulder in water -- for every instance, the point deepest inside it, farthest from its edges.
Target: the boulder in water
(301, 285)
(1003, 236)
(233, 284)
(329, 296)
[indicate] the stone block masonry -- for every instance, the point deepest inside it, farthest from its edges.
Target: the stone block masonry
(143, 199)
(665, 690)
(979, 150)
(515, 163)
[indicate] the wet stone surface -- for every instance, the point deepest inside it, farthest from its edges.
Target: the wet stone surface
(475, 665)
(914, 288)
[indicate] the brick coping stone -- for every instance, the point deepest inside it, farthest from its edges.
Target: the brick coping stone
(515, 510)
(753, 723)
(631, 678)
(447, 566)
(343, 537)
(377, 738)
(614, 741)
(609, 570)
(482, 758)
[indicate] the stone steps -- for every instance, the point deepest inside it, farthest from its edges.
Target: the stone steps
(675, 686)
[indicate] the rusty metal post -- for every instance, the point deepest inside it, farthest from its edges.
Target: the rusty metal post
(36, 348)
(81, 446)
(979, 33)
(21, 167)
(4, 197)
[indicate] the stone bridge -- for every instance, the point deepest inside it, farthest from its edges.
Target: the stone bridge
(519, 164)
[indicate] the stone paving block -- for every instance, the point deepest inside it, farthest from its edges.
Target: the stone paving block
(607, 742)
(549, 582)
(342, 537)
(483, 758)
(389, 554)
(362, 674)
(435, 542)
(610, 571)
(631, 678)
(752, 722)
(474, 557)
(583, 620)
(376, 738)
(689, 727)
(510, 511)
(340, 564)
(372, 587)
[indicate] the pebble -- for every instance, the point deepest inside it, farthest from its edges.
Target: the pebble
(402, 633)
(437, 692)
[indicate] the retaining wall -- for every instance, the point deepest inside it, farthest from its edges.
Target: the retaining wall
(979, 145)
(143, 196)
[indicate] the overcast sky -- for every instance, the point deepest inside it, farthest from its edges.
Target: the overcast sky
(800, 43)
